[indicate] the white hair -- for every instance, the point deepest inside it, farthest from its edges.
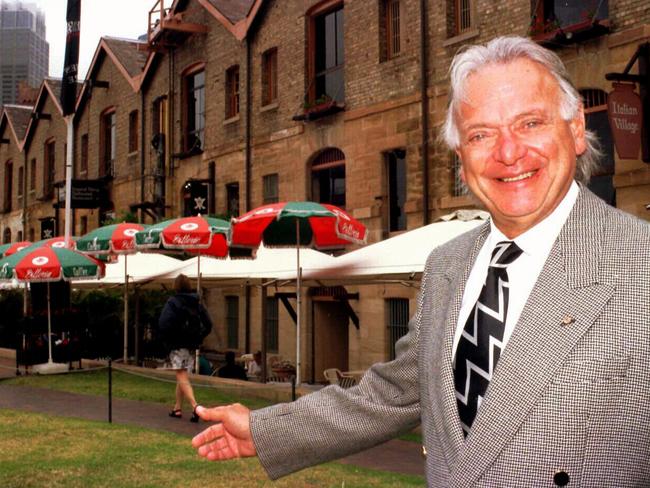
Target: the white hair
(504, 50)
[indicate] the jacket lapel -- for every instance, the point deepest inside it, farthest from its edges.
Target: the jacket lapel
(442, 389)
(564, 303)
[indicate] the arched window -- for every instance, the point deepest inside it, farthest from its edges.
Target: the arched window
(328, 177)
(595, 105)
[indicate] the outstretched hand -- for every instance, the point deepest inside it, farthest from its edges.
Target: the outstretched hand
(229, 438)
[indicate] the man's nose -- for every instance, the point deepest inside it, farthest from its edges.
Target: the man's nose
(509, 148)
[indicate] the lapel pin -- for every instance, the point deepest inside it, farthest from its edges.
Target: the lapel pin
(567, 320)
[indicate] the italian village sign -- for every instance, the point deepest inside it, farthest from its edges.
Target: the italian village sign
(624, 109)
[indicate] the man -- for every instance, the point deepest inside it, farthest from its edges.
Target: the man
(527, 359)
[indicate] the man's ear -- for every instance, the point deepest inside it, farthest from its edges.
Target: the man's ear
(577, 125)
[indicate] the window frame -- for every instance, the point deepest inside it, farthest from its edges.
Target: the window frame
(463, 12)
(232, 321)
(395, 210)
(269, 76)
(326, 166)
(192, 104)
(8, 185)
(391, 29)
(32, 175)
(313, 14)
(395, 330)
(21, 182)
(269, 182)
(133, 131)
(49, 167)
(107, 142)
(272, 324)
(83, 154)
(231, 91)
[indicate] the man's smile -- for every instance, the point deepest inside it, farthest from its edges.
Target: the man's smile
(520, 177)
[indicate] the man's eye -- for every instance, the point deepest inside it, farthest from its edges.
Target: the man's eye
(476, 137)
(532, 124)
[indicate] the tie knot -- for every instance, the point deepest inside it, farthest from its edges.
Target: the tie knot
(504, 253)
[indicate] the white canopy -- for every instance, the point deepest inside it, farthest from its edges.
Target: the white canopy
(269, 263)
(141, 267)
(399, 258)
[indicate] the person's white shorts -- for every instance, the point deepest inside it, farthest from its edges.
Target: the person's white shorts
(180, 359)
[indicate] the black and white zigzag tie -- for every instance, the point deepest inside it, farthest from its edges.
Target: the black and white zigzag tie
(481, 342)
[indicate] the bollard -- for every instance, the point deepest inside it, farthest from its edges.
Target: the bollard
(293, 388)
(110, 391)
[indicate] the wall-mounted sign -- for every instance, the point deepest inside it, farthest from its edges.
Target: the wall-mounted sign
(84, 194)
(625, 119)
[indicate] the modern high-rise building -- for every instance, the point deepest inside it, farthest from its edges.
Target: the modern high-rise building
(24, 52)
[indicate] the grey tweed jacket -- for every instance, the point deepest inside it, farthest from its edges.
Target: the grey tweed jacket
(569, 400)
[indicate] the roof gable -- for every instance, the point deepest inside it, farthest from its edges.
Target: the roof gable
(18, 117)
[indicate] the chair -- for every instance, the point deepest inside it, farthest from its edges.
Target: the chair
(337, 377)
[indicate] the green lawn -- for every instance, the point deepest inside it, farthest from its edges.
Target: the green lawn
(47, 451)
(133, 387)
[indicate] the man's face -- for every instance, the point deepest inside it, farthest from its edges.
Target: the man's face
(518, 155)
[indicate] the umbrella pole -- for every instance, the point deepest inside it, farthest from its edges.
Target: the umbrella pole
(49, 327)
(198, 275)
(298, 300)
(126, 313)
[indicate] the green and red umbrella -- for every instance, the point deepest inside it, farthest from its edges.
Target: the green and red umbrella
(300, 224)
(110, 239)
(205, 236)
(13, 247)
(307, 224)
(47, 263)
(198, 234)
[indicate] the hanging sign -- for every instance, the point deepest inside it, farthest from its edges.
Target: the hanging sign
(625, 119)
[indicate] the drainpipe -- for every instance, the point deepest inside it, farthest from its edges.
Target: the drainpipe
(425, 112)
(247, 189)
(142, 162)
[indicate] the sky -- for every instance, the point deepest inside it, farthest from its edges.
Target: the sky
(115, 18)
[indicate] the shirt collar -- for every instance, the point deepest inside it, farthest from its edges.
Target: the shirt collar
(540, 238)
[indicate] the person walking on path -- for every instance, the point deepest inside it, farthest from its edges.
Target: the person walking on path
(183, 324)
(526, 361)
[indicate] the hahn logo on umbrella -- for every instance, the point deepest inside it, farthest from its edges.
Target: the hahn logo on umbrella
(40, 260)
(130, 232)
(60, 244)
(190, 226)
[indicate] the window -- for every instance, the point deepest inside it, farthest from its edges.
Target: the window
(9, 183)
(270, 189)
(6, 236)
(196, 196)
(459, 16)
(232, 91)
(107, 144)
(232, 321)
(271, 320)
(328, 177)
(19, 236)
(397, 320)
(49, 169)
(83, 167)
(595, 104)
(21, 182)
(159, 115)
(83, 225)
(327, 56)
(232, 199)
(32, 175)
(390, 29)
(270, 76)
(195, 111)
(133, 131)
(551, 15)
(396, 171)
(32, 234)
(459, 188)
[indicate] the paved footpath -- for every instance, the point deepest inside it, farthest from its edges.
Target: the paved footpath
(395, 455)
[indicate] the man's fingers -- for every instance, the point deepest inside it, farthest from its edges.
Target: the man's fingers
(208, 435)
(215, 414)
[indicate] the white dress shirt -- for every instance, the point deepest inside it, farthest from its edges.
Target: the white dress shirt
(536, 244)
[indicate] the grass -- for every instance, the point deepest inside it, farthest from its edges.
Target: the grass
(92, 454)
(133, 387)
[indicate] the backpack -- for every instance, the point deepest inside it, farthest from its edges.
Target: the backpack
(194, 327)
